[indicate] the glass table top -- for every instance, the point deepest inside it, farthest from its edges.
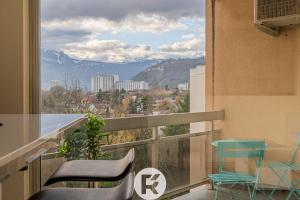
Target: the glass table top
(17, 131)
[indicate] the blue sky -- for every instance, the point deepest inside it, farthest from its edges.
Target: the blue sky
(118, 31)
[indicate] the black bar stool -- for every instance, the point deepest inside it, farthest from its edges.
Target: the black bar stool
(124, 191)
(93, 170)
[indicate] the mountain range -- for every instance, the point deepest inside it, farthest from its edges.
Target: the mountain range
(169, 72)
(61, 67)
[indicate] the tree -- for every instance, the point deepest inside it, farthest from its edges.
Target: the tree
(166, 87)
(99, 95)
(177, 129)
(73, 94)
(177, 92)
(184, 105)
(54, 100)
(147, 104)
(123, 91)
(132, 106)
(165, 105)
(117, 97)
(103, 97)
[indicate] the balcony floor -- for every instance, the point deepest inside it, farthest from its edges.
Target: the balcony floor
(205, 193)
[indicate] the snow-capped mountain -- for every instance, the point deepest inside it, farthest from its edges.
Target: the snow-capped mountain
(61, 67)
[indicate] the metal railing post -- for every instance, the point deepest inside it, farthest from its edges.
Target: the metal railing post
(154, 148)
(211, 148)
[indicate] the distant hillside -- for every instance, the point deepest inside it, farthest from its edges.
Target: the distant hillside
(56, 65)
(170, 72)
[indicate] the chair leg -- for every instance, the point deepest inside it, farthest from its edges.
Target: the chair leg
(249, 190)
(290, 194)
(297, 194)
(281, 179)
(294, 190)
(263, 189)
(231, 193)
(253, 196)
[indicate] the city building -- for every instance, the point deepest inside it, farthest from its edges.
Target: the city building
(103, 82)
(54, 83)
(129, 85)
(183, 86)
(116, 78)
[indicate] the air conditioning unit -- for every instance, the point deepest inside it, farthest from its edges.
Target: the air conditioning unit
(273, 14)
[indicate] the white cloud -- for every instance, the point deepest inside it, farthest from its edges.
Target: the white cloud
(118, 51)
(110, 51)
(132, 23)
(192, 47)
(188, 36)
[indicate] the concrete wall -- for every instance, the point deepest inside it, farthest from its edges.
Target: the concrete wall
(254, 77)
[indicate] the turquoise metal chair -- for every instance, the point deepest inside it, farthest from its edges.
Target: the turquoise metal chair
(226, 149)
(281, 170)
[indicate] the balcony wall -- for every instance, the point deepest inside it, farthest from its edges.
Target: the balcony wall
(254, 77)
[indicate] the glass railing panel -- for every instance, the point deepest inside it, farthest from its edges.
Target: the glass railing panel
(182, 161)
(123, 136)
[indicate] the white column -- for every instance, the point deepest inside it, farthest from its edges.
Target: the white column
(198, 157)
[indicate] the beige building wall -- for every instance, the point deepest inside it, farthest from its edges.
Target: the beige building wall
(14, 58)
(254, 77)
(14, 79)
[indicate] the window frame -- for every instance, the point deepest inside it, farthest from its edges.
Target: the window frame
(34, 57)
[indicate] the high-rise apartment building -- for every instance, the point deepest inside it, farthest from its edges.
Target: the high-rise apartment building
(103, 82)
(129, 85)
(183, 86)
(55, 83)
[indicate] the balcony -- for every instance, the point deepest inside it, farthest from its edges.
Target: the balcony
(184, 159)
(179, 157)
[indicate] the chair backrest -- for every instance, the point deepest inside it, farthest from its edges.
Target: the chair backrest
(239, 149)
(295, 152)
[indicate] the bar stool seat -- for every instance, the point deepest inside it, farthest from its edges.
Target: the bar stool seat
(123, 191)
(93, 170)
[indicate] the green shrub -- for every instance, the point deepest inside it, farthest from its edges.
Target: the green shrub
(85, 142)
